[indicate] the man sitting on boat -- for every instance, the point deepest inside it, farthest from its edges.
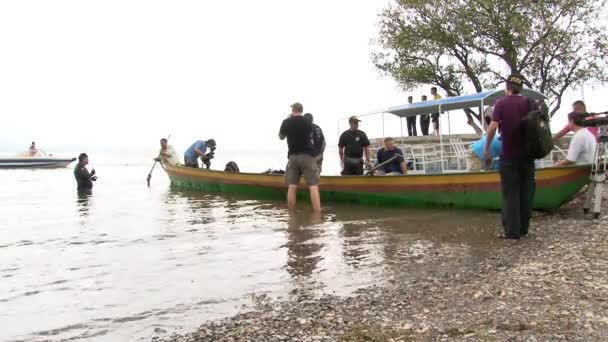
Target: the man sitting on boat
(167, 154)
(476, 157)
(84, 179)
(32, 151)
(583, 143)
(397, 165)
(198, 149)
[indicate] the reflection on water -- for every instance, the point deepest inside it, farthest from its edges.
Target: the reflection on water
(126, 260)
(302, 244)
(83, 202)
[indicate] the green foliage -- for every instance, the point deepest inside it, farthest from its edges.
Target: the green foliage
(471, 45)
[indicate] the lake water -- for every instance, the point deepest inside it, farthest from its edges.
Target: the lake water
(131, 262)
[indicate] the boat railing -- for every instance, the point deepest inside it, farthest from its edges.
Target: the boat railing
(453, 157)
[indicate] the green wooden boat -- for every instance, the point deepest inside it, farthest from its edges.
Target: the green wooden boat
(480, 190)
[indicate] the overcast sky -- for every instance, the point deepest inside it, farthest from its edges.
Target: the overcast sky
(122, 74)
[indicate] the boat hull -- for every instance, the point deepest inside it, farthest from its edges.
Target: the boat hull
(34, 162)
(477, 190)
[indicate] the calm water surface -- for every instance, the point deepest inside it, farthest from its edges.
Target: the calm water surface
(130, 262)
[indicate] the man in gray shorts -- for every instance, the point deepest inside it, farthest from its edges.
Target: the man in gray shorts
(299, 132)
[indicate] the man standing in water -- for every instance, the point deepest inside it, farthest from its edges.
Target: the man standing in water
(516, 169)
(83, 177)
(299, 133)
(352, 144)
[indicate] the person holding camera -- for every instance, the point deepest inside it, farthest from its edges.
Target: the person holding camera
(582, 145)
(84, 179)
(198, 149)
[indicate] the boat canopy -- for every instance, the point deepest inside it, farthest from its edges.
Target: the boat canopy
(453, 103)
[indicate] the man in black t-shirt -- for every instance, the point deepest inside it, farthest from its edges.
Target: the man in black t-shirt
(299, 134)
(352, 144)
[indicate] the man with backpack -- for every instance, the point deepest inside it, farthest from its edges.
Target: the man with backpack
(516, 165)
(318, 141)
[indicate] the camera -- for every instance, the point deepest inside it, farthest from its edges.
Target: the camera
(594, 119)
(207, 159)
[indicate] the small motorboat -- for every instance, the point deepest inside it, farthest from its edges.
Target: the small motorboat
(21, 162)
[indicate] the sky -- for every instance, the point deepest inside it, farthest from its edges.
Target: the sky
(118, 75)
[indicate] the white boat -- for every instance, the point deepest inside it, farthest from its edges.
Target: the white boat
(34, 162)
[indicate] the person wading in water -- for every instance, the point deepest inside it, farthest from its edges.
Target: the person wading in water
(83, 177)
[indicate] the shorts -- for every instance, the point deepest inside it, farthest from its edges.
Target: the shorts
(302, 165)
(319, 160)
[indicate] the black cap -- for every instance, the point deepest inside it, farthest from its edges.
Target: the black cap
(353, 119)
(210, 142)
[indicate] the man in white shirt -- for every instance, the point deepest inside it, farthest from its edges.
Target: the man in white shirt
(167, 153)
(583, 143)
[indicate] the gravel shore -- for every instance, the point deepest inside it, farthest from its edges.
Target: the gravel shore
(552, 285)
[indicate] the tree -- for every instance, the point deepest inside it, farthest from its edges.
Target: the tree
(471, 45)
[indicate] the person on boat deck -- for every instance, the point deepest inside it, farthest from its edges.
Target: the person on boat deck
(84, 179)
(167, 154)
(351, 145)
(318, 141)
(476, 154)
(33, 151)
(578, 107)
(425, 120)
(397, 166)
(198, 149)
(411, 121)
(583, 143)
(301, 162)
(517, 176)
(435, 116)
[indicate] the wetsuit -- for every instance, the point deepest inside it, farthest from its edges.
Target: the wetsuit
(83, 178)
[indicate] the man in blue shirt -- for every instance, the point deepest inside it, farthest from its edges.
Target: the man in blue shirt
(198, 149)
(397, 166)
(477, 150)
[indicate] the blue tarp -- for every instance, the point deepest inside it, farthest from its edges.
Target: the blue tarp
(454, 103)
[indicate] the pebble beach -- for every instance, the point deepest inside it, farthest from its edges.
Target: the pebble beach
(551, 285)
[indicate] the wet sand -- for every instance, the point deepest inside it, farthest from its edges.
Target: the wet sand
(552, 285)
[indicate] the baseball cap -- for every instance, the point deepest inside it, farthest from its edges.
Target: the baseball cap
(353, 119)
(516, 79)
(210, 142)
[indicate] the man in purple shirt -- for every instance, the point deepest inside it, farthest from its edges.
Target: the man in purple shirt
(516, 170)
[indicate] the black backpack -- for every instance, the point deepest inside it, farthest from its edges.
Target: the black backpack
(231, 167)
(538, 138)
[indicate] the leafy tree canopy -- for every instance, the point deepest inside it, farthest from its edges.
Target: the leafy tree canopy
(472, 45)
